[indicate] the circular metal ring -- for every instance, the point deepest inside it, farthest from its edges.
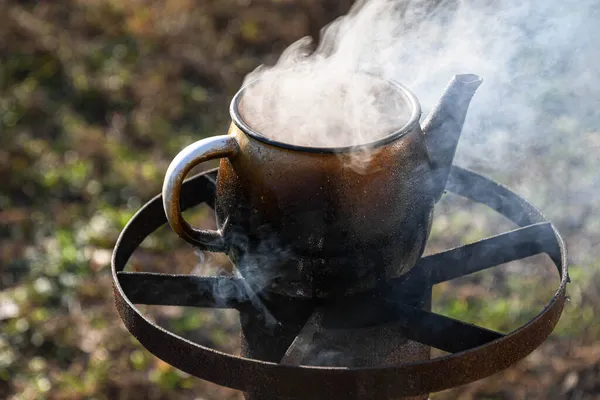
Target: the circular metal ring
(389, 381)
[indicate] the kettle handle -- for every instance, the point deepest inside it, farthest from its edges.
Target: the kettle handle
(194, 154)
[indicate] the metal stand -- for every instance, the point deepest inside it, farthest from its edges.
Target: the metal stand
(397, 317)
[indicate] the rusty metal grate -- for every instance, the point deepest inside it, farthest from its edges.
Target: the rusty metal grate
(476, 352)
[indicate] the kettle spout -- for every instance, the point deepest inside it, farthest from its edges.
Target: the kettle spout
(444, 125)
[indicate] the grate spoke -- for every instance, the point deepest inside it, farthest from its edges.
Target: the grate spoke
(183, 290)
(296, 352)
(487, 253)
(444, 333)
(416, 324)
(494, 195)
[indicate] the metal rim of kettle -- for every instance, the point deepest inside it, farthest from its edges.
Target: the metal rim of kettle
(411, 100)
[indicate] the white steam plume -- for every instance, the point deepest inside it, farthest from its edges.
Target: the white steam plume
(518, 47)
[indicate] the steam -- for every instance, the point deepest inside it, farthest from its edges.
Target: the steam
(322, 105)
(516, 46)
(538, 58)
(333, 96)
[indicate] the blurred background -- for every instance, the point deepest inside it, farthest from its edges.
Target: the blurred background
(96, 98)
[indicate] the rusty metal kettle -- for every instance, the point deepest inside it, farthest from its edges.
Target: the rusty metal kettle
(295, 220)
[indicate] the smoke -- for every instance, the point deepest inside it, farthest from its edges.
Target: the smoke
(539, 61)
(519, 48)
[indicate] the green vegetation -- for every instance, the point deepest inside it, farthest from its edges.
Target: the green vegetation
(96, 97)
